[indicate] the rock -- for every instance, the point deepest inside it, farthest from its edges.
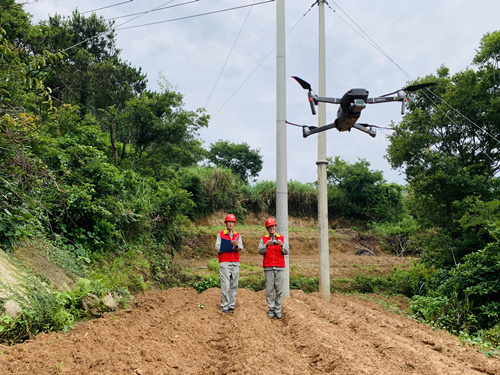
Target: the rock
(12, 308)
(92, 305)
(111, 301)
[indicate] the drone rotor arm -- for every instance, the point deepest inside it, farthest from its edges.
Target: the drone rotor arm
(324, 99)
(366, 128)
(314, 129)
(385, 99)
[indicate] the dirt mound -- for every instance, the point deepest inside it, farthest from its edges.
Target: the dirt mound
(180, 331)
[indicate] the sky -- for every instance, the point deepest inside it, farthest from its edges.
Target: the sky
(224, 60)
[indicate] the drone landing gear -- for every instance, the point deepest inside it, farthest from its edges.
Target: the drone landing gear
(308, 130)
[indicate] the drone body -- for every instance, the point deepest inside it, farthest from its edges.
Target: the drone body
(351, 105)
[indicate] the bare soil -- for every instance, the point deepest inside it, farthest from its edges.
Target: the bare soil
(179, 331)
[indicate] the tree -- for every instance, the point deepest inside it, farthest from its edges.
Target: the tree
(92, 75)
(447, 145)
(243, 161)
(161, 132)
(357, 193)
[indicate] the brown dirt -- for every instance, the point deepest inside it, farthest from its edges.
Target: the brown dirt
(181, 332)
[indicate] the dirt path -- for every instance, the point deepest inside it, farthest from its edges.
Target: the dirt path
(181, 332)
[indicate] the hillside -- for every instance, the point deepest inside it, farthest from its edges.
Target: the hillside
(181, 332)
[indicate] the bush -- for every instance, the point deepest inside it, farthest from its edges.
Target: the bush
(306, 284)
(398, 238)
(468, 296)
(211, 189)
(418, 280)
(302, 199)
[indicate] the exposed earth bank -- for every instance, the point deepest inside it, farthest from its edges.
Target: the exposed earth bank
(181, 332)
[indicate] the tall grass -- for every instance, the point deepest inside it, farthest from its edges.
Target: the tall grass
(302, 199)
(214, 189)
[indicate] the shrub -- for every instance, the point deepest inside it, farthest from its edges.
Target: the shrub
(211, 189)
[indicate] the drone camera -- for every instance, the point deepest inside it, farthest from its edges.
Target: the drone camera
(357, 105)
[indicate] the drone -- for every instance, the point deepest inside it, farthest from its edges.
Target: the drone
(351, 105)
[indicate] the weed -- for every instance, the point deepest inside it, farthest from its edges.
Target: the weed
(213, 265)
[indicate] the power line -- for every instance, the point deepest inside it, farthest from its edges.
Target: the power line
(425, 91)
(153, 10)
(106, 7)
(258, 66)
(195, 15)
(227, 58)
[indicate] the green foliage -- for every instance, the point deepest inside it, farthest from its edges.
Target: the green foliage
(255, 282)
(306, 284)
(399, 238)
(266, 190)
(467, 296)
(205, 283)
(450, 157)
(356, 193)
(41, 311)
(417, 280)
(239, 158)
(492, 335)
(212, 189)
(302, 199)
(161, 133)
(213, 265)
(124, 270)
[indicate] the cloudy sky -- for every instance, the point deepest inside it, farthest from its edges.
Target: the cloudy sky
(224, 60)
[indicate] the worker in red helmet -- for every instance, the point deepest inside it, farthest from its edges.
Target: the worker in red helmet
(228, 246)
(274, 247)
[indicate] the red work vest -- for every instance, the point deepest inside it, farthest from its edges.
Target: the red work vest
(273, 257)
(229, 257)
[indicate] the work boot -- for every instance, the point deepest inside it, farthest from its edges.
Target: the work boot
(278, 314)
(271, 314)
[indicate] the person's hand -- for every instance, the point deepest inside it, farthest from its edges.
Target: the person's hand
(279, 243)
(234, 242)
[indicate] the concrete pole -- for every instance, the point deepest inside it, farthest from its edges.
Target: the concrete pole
(281, 152)
(324, 253)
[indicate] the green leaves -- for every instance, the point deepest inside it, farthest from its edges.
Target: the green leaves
(239, 158)
(357, 193)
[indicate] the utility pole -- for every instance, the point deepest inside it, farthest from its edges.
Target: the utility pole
(281, 152)
(323, 247)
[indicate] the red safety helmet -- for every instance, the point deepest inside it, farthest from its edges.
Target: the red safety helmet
(270, 222)
(230, 217)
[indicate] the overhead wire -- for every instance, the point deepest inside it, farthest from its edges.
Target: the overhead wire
(106, 7)
(170, 20)
(227, 58)
(153, 10)
(195, 15)
(97, 35)
(258, 66)
(365, 36)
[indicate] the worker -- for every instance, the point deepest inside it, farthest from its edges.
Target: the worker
(274, 247)
(228, 247)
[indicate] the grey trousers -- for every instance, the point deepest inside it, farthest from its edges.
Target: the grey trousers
(275, 281)
(229, 273)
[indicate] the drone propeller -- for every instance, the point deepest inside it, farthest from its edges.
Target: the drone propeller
(402, 93)
(306, 86)
(411, 88)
